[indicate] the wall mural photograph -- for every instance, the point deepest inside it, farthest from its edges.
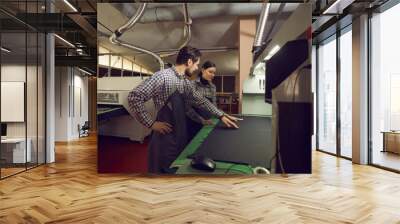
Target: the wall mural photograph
(186, 90)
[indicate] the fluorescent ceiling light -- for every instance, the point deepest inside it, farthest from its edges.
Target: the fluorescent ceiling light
(258, 69)
(84, 71)
(331, 7)
(338, 6)
(70, 5)
(5, 49)
(259, 66)
(272, 52)
(65, 41)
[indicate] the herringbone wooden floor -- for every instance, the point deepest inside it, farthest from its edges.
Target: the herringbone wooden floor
(71, 191)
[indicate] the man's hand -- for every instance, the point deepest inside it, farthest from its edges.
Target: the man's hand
(228, 122)
(232, 118)
(162, 127)
(207, 122)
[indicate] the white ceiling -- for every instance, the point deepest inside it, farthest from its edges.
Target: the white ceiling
(210, 32)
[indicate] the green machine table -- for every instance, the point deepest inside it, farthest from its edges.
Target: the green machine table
(235, 151)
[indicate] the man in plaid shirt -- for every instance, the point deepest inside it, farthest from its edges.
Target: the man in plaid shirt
(164, 83)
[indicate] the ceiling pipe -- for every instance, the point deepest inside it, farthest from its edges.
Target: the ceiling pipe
(131, 22)
(187, 33)
(197, 11)
(260, 33)
(188, 24)
(175, 51)
(280, 9)
(262, 26)
(203, 50)
(266, 37)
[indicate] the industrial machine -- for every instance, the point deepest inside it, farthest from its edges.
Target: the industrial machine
(113, 113)
(288, 89)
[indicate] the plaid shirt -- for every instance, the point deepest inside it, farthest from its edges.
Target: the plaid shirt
(208, 91)
(159, 87)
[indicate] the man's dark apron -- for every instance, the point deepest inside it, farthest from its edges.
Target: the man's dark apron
(164, 149)
(194, 127)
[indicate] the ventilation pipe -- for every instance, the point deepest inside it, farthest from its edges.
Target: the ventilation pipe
(262, 26)
(171, 12)
(267, 36)
(132, 21)
(260, 33)
(187, 32)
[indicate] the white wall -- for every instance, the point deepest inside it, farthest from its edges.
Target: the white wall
(17, 72)
(71, 87)
(255, 104)
(33, 126)
(80, 84)
(61, 103)
(13, 72)
(10, 73)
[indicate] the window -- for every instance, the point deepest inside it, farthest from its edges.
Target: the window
(385, 87)
(327, 95)
(127, 65)
(22, 65)
(346, 93)
(314, 90)
(136, 68)
(116, 61)
(104, 59)
(394, 102)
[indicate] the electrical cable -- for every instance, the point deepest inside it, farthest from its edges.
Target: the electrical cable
(260, 170)
(231, 168)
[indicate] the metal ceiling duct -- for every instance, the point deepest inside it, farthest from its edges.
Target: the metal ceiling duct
(260, 33)
(267, 36)
(188, 23)
(262, 26)
(197, 11)
(131, 22)
(187, 31)
(264, 37)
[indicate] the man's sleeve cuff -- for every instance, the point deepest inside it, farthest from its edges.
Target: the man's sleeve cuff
(149, 124)
(220, 114)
